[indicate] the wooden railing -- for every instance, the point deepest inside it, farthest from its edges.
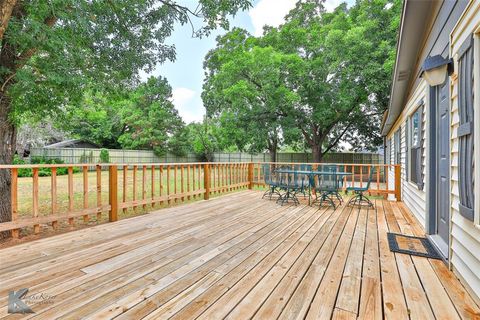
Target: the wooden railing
(386, 178)
(105, 189)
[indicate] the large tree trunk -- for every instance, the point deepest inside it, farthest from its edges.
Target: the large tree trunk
(317, 153)
(7, 150)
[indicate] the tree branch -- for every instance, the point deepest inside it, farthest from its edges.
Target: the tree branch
(337, 139)
(6, 8)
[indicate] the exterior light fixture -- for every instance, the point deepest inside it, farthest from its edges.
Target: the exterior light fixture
(435, 70)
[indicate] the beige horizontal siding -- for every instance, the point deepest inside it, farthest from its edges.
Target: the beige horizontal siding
(465, 237)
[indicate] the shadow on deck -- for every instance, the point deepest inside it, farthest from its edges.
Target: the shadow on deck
(236, 256)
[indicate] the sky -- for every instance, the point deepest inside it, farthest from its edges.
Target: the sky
(186, 74)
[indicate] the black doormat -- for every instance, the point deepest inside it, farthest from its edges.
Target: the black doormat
(416, 246)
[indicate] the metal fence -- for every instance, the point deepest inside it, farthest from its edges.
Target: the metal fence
(81, 155)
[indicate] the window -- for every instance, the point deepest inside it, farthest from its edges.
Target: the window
(416, 147)
(465, 129)
(398, 151)
(407, 149)
(388, 152)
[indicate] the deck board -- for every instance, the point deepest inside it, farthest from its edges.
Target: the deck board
(238, 257)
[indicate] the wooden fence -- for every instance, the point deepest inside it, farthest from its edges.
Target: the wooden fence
(115, 187)
(81, 155)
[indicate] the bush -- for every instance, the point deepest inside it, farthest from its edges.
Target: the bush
(84, 158)
(42, 172)
(104, 156)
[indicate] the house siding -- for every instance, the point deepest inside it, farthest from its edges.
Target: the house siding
(412, 196)
(451, 23)
(465, 235)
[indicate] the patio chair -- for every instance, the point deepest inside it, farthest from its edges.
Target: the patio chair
(271, 181)
(359, 192)
(291, 183)
(327, 186)
(304, 180)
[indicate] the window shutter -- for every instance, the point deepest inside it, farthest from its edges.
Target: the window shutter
(465, 130)
(420, 153)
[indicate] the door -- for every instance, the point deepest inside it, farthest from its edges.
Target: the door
(443, 164)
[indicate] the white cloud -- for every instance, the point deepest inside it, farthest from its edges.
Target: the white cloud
(269, 12)
(188, 104)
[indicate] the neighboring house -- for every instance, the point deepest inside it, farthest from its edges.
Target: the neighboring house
(73, 143)
(431, 127)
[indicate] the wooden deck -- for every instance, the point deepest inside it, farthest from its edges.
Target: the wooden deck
(237, 257)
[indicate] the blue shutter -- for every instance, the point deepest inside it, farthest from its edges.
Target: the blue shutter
(465, 130)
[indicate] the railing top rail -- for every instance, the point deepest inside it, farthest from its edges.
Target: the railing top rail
(333, 163)
(66, 165)
(166, 164)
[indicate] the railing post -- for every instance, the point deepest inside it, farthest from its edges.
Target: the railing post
(250, 175)
(14, 201)
(398, 189)
(206, 181)
(113, 192)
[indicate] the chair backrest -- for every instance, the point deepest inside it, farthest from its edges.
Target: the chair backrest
(267, 173)
(370, 177)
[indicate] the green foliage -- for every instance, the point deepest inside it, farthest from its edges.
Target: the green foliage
(42, 172)
(86, 157)
(104, 156)
(140, 117)
(320, 78)
(58, 48)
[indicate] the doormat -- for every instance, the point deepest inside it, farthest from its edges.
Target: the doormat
(416, 246)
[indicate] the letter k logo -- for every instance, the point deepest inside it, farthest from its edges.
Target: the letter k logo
(15, 304)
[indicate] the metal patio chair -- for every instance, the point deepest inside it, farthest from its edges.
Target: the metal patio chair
(359, 192)
(272, 182)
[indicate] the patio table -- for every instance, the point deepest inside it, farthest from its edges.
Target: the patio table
(292, 195)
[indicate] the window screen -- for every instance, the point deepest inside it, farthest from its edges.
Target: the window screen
(416, 148)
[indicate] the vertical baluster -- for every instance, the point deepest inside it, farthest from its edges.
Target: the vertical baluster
(14, 199)
(175, 170)
(194, 180)
(361, 176)
(182, 189)
(168, 185)
(387, 169)
(70, 195)
(161, 183)
(36, 227)
(144, 190)
(125, 184)
(153, 186)
(99, 192)
(85, 192)
(53, 193)
(188, 182)
(134, 187)
(353, 176)
(378, 177)
(344, 178)
(368, 172)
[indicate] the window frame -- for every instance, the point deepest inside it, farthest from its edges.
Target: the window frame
(418, 147)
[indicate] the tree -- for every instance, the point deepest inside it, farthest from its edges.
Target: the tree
(150, 118)
(142, 117)
(204, 139)
(51, 50)
(247, 84)
(346, 61)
